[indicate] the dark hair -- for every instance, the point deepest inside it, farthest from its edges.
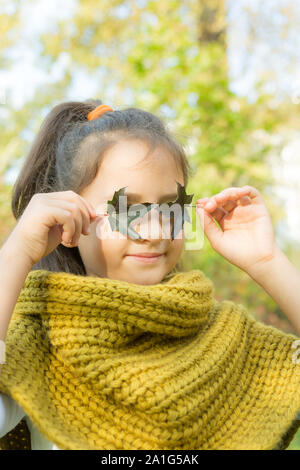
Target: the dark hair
(57, 160)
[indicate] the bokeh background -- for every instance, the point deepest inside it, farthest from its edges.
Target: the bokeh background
(224, 75)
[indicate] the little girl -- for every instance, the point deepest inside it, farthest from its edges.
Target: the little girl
(109, 345)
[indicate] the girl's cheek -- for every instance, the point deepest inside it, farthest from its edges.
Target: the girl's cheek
(103, 228)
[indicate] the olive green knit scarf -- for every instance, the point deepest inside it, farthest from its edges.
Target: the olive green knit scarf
(106, 364)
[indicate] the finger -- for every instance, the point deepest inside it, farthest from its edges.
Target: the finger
(244, 201)
(229, 205)
(84, 212)
(64, 218)
(232, 194)
(84, 205)
(202, 200)
(71, 238)
(237, 193)
(254, 194)
(92, 214)
(219, 213)
(101, 209)
(90, 207)
(73, 196)
(209, 227)
(75, 212)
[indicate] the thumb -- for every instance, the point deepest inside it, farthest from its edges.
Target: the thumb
(209, 226)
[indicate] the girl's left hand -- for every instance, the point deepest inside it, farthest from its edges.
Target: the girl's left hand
(247, 237)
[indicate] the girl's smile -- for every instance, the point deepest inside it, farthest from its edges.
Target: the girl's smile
(147, 258)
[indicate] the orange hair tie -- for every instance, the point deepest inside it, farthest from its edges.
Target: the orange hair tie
(97, 112)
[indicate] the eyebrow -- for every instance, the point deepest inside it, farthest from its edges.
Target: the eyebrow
(134, 197)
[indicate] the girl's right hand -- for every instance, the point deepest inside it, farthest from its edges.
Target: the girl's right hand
(48, 220)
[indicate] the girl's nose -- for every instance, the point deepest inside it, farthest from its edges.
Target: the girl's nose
(153, 225)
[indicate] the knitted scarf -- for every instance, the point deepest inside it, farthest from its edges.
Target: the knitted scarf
(106, 364)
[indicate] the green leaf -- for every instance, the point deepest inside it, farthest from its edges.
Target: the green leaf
(182, 199)
(135, 211)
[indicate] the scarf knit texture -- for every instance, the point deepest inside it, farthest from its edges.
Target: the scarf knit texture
(98, 363)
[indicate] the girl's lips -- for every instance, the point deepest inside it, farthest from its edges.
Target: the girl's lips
(146, 259)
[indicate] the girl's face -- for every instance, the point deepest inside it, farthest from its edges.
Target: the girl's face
(150, 181)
